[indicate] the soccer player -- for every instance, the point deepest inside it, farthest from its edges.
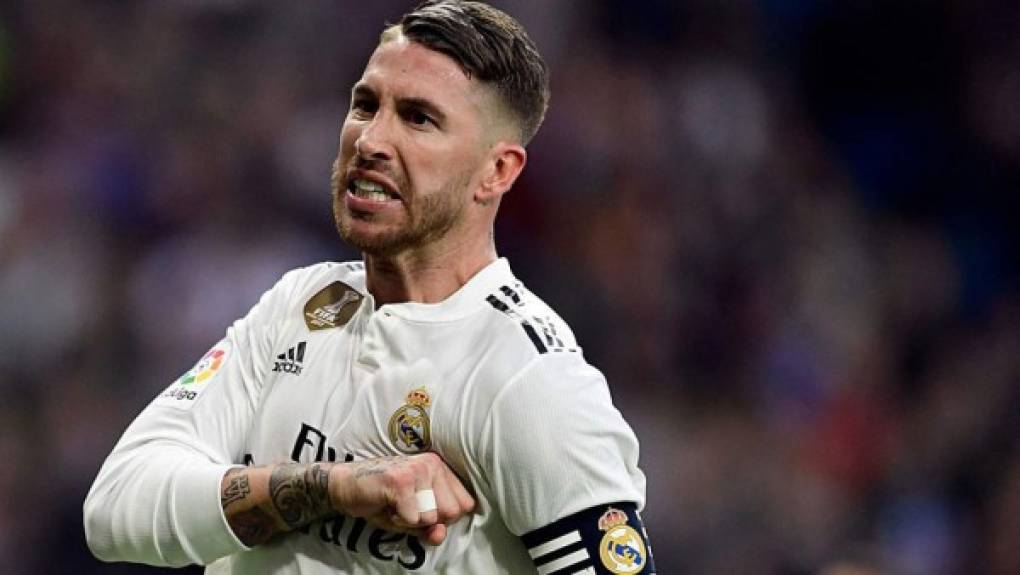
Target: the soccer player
(419, 411)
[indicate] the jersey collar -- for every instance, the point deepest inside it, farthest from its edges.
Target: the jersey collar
(463, 302)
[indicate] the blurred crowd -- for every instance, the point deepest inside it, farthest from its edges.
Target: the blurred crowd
(786, 230)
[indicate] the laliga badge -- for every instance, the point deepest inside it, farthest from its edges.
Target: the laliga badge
(205, 368)
(183, 393)
(409, 426)
(622, 550)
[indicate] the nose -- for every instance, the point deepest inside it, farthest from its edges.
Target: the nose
(375, 140)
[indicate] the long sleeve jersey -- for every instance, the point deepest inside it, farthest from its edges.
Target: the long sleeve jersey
(490, 379)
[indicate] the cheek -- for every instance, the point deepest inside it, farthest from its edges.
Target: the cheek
(348, 135)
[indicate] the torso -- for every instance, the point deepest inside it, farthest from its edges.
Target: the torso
(358, 390)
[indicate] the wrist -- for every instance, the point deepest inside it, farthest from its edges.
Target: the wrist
(339, 480)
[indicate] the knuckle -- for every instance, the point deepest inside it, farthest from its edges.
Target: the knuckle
(449, 513)
(399, 479)
(430, 459)
(423, 466)
(404, 481)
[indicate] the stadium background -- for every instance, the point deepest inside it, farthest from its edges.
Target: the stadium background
(785, 229)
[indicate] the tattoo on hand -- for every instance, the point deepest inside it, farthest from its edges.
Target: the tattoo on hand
(376, 466)
(300, 493)
(236, 489)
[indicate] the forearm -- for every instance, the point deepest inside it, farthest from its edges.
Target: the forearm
(261, 502)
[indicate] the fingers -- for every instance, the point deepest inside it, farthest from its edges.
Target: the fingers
(417, 506)
(452, 498)
(425, 490)
(449, 504)
(434, 534)
(405, 503)
(426, 501)
(465, 502)
(446, 504)
(416, 493)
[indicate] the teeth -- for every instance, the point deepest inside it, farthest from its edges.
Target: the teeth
(367, 185)
(369, 190)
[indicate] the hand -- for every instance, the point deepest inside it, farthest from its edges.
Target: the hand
(384, 492)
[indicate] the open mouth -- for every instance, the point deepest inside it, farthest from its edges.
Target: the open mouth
(369, 190)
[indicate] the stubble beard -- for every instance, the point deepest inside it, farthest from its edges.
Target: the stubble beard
(429, 219)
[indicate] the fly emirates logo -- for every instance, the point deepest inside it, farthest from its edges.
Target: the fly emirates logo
(354, 533)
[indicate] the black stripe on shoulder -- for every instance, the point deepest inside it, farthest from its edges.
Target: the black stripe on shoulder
(533, 335)
(510, 293)
(498, 304)
(529, 329)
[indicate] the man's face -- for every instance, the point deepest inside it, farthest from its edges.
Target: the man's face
(410, 150)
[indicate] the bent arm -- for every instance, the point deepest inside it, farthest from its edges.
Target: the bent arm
(156, 499)
(261, 503)
(158, 505)
(163, 505)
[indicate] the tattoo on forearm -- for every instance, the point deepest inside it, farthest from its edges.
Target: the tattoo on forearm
(236, 490)
(300, 493)
(253, 526)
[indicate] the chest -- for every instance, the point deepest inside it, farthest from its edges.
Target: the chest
(346, 395)
(353, 394)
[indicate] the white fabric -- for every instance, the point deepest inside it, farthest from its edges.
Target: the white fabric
(534, 435)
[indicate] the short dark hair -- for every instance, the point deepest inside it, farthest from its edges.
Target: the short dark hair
(490, 46)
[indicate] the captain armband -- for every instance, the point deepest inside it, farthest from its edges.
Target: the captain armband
(605, 539)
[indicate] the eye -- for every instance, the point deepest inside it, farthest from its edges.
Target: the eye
(363, 107)
(419, 118)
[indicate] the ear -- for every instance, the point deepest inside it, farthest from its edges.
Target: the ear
(506, 160)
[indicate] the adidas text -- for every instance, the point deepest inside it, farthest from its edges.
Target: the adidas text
(287, 366)
(290, 361)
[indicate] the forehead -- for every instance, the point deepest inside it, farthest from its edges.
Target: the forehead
(409, 69)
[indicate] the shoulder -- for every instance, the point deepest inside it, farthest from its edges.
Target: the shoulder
(516, 335)
(319, 293)
(512, 341)
(305, 280)
(539, 368)
(521, 315)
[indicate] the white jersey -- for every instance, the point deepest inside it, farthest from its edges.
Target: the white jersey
(490, 379)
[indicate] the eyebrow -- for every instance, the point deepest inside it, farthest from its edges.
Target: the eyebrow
(360, 89)
(424, 105)
(412, 102)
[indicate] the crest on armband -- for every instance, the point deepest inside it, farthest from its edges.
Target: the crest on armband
(622, 549)
(409, 426)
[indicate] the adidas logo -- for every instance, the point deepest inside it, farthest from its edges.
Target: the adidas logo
(290, 361)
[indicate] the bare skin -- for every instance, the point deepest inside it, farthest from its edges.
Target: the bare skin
(260, 503)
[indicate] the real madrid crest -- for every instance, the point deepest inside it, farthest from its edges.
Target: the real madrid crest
(622, 550)
(409, 426)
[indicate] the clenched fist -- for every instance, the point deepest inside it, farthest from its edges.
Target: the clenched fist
(411, 493)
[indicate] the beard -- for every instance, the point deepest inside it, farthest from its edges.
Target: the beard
(429, 218)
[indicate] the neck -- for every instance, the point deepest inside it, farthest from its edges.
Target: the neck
(424, 277)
